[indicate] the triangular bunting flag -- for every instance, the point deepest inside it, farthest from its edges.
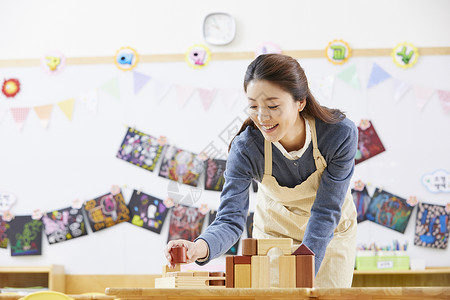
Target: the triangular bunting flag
(140, 80)
(43, 112)
(67, 107)
(325, 86)
(207, 96)
(20, 115)
(401, 87)
(444, 97)
(350, 76)
(377, 76)
(111, 87)
(160, 89)
(228, 97)
(90, 99)
(183, 94)
(423, 94)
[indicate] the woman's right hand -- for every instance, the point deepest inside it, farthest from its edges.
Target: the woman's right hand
(194, 250)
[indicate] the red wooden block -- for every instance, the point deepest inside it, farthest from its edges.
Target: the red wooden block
(303, 250)
(178, 255)
(305, 271)
(242, 259)
(249, 247)
(216, 282)
(229, 271)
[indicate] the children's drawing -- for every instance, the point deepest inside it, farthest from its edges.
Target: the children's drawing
(432, 226)
(389, 210)
(25, 236)
(106, 211)
(181, 166)
(64, 224)
(250, 225)
(147, 211)
(369, 144)
(234, 249)
(185, 223)
(362, 200)
(4, 226)
(214, 179)
(140, 149)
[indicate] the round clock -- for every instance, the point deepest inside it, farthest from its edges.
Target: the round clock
(219, 28)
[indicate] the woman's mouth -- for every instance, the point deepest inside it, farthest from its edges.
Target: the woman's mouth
(269, 128)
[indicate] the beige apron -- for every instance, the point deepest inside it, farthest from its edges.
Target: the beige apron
(283, 212)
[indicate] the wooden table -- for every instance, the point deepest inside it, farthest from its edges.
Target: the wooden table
(411, 293)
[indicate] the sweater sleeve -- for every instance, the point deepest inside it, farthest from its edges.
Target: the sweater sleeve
(334, 184)
(231, 216)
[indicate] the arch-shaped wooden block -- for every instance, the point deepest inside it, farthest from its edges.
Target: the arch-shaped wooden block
(264, 245)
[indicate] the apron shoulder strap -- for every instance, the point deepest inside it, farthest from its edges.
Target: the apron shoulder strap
(318, 158)
(267, 158)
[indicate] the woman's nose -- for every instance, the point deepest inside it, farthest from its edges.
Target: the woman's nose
(263, 115)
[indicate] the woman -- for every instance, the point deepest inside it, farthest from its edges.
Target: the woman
(302, 154)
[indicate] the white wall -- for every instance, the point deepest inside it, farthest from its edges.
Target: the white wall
(46, 169)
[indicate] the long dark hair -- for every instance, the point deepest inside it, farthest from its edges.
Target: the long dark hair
(287, 73)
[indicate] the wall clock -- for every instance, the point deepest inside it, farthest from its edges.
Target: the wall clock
(219, 28)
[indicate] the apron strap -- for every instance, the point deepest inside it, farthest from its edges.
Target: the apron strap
(267, 158)
(319, 160)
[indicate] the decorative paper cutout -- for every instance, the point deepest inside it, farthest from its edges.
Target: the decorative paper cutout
(147, 211)
(377, 76)
(350, 76)
(106, 211)
(66, 107)
(432, 226)
(20, 115)
(234, 249)
(412, 201)
(389, 210)
(185, 223)
(362, 200)
(140, 80)
(267, 48)
(8, 216)
(203, 209)
(63, 225)
(43, 112)
(4, 226)
(140, 149)
(359, 186)
(401, 88)
(198, 56)
(423, 94)
(444, 97)
(228, 97)
(25, 236)
(37, 214)
(77, 203)
(53, 62)
(207, 96)
(126, 58)
(405, 55)
(90, 100)
(160, 89)
(214, 179)
(168, 202)
(338, 52)
(111, 87)
(183, 94)
(447, 208)
(10, 87)
(369, 144)
(7, 200)
(437, 182)
(162, 140)
(182, 166)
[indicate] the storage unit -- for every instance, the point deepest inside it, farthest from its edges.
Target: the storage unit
(51, 277)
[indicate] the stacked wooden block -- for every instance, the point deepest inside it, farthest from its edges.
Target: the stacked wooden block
(252, 270)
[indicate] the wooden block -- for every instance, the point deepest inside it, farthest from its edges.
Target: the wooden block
(305, 271)
(242, 276)
(201, 273)
(303, 250)
(178, 254)
(186, 282)
(287, 271)
(249, 247)
(260, 272)
(166, 269)
(241, 259)
(229, 271)
(216, 282)
(176, 274)
(264, 245)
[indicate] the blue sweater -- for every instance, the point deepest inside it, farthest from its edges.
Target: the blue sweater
(337, 144)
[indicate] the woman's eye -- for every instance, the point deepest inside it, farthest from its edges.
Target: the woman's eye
(252, 107)
(273, 107)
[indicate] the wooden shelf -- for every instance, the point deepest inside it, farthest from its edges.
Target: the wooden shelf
(51, 277)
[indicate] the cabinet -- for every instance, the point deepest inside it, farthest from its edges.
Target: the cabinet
(51, 277)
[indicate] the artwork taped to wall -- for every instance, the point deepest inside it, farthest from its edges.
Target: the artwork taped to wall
(214, 179)
(362, 200)
(389, 210)
(369, 144)
(250, 225)
(432, 226)
(106, 211)
(181, 166)
(25, 236)
(4, 226)
(185, 223)
(234, 249)
(147, 211)
(140, 149)
(64, 224)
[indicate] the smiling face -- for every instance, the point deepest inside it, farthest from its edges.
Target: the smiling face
(275, 112)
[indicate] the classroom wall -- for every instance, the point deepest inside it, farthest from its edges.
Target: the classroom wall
(47, 169)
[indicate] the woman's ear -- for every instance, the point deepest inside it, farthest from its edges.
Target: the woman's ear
(301, 104)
